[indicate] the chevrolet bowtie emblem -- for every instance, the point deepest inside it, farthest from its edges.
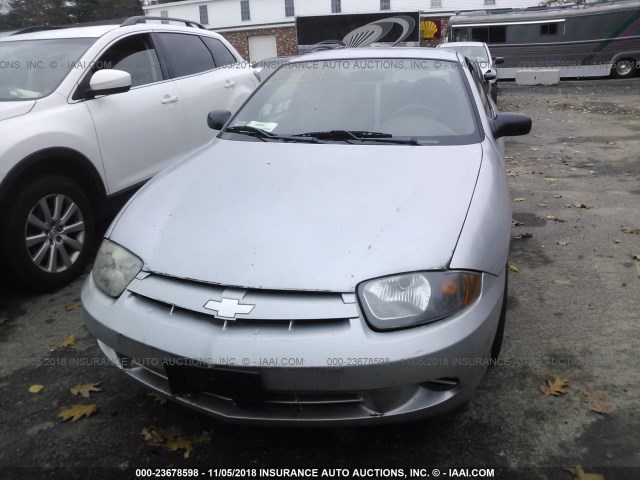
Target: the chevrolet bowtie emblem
(228, 308)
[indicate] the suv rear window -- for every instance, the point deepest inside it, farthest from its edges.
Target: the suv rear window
(221, 54)
(185, 54)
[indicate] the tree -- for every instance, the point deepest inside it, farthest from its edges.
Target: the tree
(26, 13)
(9, 21)
(95, 10)
(40, 12)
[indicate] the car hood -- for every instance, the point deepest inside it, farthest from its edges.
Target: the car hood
(15, 109)
(302, 216)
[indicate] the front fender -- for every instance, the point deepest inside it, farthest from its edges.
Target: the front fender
(483, 244)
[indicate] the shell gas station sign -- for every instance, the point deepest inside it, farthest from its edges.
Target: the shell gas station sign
(430, 29)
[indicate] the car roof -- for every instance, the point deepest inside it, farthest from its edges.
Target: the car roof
(375, 52)
(283, 59)
(96, 31)
(462, 44)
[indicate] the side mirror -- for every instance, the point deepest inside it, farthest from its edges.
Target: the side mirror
(108, 82)
(510, 125)
(490, 75)
(498, 60)
(217, 119)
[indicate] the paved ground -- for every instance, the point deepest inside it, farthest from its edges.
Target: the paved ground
(574, 312)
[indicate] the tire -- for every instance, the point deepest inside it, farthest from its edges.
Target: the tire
(50, 233)
(496, 346)
(624, 68)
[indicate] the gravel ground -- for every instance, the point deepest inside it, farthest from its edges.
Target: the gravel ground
(573, 313)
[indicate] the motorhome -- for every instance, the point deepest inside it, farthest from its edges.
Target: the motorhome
(590, 39)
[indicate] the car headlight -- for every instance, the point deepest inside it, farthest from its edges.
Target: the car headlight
(114, 268)
(413, 299)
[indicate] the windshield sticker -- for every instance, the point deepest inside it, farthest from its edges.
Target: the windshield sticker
(266, 126)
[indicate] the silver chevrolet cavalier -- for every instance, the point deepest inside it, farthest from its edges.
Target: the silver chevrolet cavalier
(337, 254)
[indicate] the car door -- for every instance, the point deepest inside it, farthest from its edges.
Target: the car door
(203, 84)
(142, 131)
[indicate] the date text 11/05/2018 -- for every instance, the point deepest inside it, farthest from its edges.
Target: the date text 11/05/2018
(315, 472)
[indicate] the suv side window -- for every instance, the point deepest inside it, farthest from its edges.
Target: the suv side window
(136, 56)
(185, 54)
(221, 54)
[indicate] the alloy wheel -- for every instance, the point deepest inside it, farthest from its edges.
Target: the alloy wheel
(54, 233)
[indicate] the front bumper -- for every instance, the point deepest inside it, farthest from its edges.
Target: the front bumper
(319, 372)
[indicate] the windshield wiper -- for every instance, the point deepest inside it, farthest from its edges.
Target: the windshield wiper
(402, 141)
(363, 136)
(345, 135)
(265, 136)
(251, 131)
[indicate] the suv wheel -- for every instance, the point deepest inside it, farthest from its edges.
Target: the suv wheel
(50, 232)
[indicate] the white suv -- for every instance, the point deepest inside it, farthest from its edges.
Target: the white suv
(87, 115)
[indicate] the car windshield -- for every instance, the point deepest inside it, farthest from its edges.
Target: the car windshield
(380, 100)
(32, 69)
(267, 66)
(472, 51)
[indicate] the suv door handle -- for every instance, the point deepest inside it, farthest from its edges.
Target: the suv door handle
(229, 84)
(169, 99)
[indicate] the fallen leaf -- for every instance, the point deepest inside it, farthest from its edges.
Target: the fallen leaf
(562, 243)
(73, 306)
(534, 149)
(512, 267)
(598, 402)
(77, 411)
(636, 256)
(549, 179)
(84, 390)
(173, 439)
(157, 398)
(36, 388)
(579, 474)
(516, 223)
(70, 341)
(557, 196)
(582, 205)
(550, 217)
(152, 436)
(542, 205)
(522, 236)
(635, 231)
(3, 320)
(616, 241)
(555, 387)
(519, 199)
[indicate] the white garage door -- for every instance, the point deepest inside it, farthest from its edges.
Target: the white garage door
(261, 47)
